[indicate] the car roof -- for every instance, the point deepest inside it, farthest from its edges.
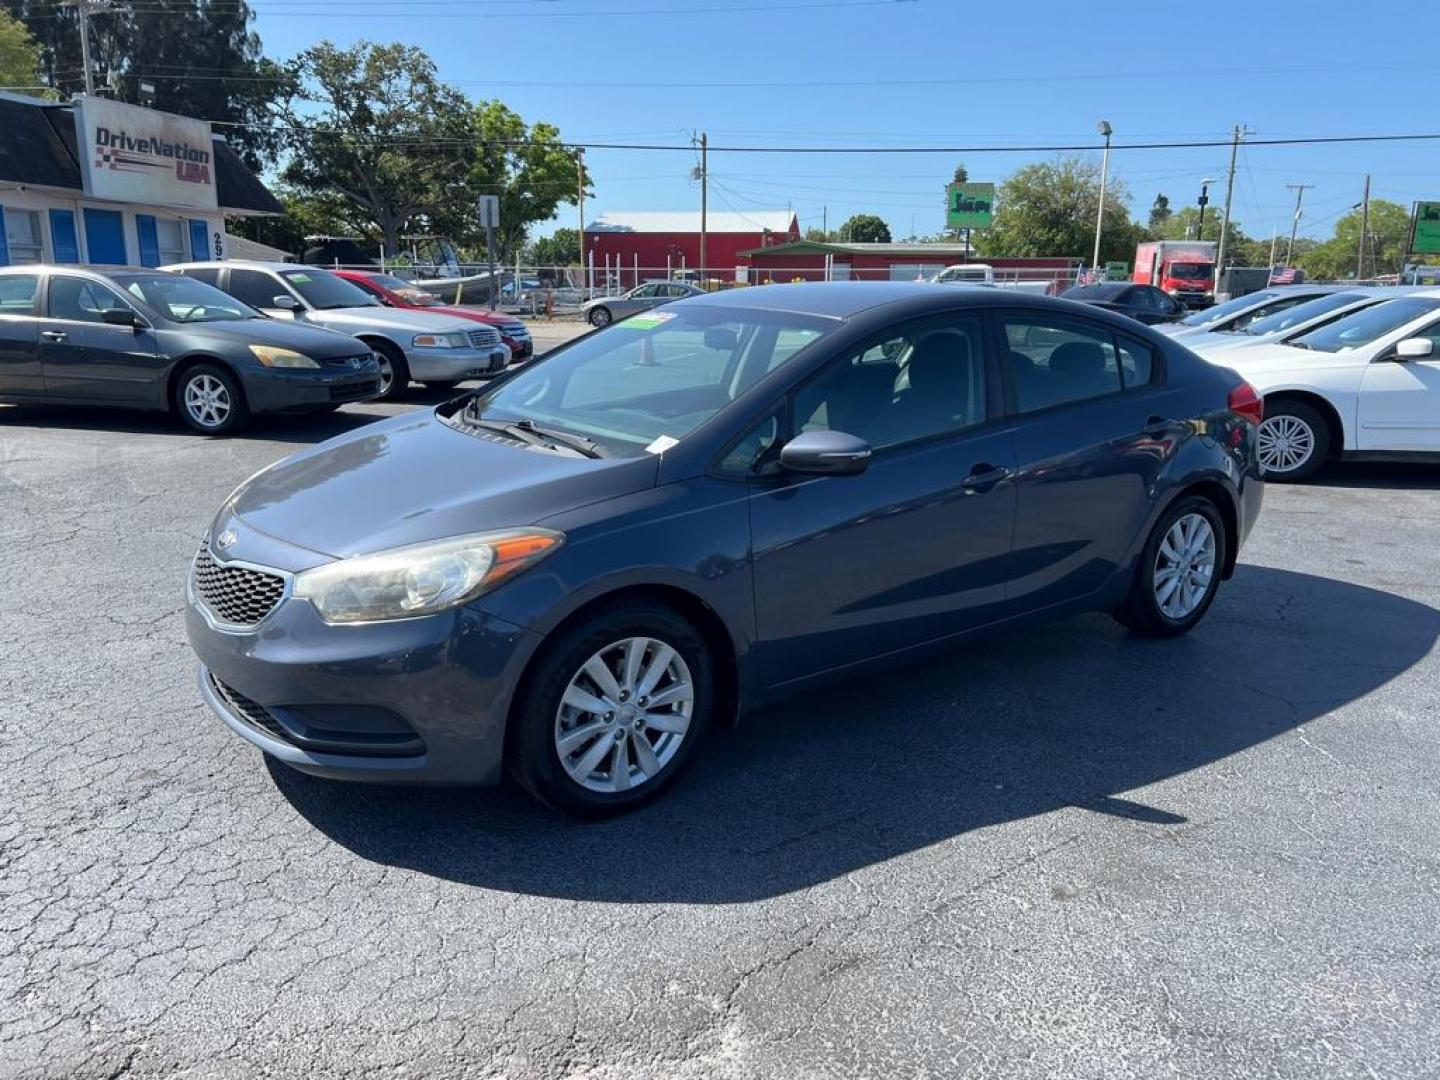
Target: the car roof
(844, 299)
(1102, 289)
(243, 264)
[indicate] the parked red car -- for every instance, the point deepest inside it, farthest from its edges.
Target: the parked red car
(397, 292)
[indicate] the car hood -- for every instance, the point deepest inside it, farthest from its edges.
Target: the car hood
(1266, 362)
(314, 341)
(417, 320)
(412, 478)
(489, 318)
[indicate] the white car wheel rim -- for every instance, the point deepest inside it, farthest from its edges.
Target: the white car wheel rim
(207, 401)
(624, 715)
(1184, 566)
(1285, 444)
(387, 372)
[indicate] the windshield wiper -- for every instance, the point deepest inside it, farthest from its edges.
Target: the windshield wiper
(525, 431)
(1296, 344)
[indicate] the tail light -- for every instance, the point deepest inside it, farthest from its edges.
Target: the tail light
(1245, 401)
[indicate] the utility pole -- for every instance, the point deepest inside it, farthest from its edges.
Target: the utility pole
(1364, 228)
(580, 171)
(825, 221)
(1299, 190)
(1237, 135)
(704, 206)
(83, 8)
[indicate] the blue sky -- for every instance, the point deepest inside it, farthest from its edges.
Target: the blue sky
(928, 72)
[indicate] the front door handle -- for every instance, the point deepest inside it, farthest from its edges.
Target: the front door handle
(985, 476)
(53, 335)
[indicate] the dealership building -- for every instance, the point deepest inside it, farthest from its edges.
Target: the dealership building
(99, 181)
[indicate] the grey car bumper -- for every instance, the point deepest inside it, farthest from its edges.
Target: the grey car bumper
(453, 365)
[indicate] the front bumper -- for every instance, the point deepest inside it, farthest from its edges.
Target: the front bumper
(280, 389)
(521, 348)
(421, 701)
(453, 365)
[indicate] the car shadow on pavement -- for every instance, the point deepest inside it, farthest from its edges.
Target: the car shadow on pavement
(1075, 714)
(1387, 476)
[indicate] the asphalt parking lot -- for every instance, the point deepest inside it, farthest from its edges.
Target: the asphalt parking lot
(1065, 852)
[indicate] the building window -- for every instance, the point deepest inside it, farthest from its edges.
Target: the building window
(22, 236)
(170, 233)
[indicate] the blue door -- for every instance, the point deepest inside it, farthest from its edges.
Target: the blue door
(105, 236)
(149, 238)
(199, 240)
(63, 240)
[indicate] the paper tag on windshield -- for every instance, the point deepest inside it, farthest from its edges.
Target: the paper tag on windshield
(648, 321)
(660, 445)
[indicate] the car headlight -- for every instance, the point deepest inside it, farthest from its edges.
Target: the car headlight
(273, 357)
(421, 579)
(441, 341)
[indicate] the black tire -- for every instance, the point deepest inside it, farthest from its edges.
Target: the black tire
(223, 388)
(600, 316)
(1311, 424)
(387, 353)
(532, 755)
(1141, 611)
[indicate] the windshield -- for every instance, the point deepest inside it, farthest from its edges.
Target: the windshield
(1190, 271)
(406, 290)
(647, 382)
(1206, 316)
(1301, 313)
(184, 299)
(1366, 326)
(322, 290)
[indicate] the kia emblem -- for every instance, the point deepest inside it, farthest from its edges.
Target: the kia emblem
(225, 539)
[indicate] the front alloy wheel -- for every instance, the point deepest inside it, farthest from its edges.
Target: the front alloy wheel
(208, 398)
(624, 715)
(612, 709)
(600, 316)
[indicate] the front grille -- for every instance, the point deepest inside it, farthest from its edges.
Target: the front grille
(483, 336)
(353, 391)
(515, 330)
(258, 715)
(236, 595)
(347, 361)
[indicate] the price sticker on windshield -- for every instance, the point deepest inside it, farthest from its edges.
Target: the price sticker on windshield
(660, 445)
(646, 322)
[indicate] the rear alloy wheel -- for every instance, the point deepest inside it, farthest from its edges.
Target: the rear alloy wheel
(612, 711)
(394, 372)
(1179, 571)
(600, 316)
(1292, 442)
(209, 399)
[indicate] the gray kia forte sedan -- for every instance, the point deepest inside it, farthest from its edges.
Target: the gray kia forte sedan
(575, 572)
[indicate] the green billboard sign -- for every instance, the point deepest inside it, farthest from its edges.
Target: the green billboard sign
(1427, 229)
(969, 206)
(1117, 271)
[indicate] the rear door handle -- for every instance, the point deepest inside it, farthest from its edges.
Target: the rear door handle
(53, 335)
(985, 476)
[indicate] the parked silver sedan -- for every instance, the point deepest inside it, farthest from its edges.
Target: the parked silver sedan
(606, 309)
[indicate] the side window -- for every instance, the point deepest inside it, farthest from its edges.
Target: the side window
(643, 292)
(1056, 361)
(80, 300)
(255, 288)
(1145, 299)
(922, 382)
(210, 275)
(752, 448)
(17, 294)
(1137, 363)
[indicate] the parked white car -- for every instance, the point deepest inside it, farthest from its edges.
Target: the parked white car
(983, 274)
(1237, 314)
(1294, 321)
(1364, 386)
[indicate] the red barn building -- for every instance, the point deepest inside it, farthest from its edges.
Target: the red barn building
(644, 244)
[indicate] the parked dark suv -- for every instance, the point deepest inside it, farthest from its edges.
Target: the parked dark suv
(579, 568)
(146, 339)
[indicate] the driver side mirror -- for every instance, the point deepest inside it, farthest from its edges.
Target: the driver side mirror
(825, 453)
(1415, 348)
(286, 302)
(121, 317)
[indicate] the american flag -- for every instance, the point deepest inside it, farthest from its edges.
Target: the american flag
(1283, 275)
(1087, 277)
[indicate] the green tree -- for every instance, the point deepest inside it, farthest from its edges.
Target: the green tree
(1050, 209)
(1160, 212)
(865, 229)
(223, 77)
(819, 236)
(962, 174)
(561, 248)
(375, 125)
(319, 214)
(1387, 233)
(526, 165)
(19, 56)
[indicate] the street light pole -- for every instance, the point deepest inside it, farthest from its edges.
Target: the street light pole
(1299, 190)
(1105, 129)
(1203, 202)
